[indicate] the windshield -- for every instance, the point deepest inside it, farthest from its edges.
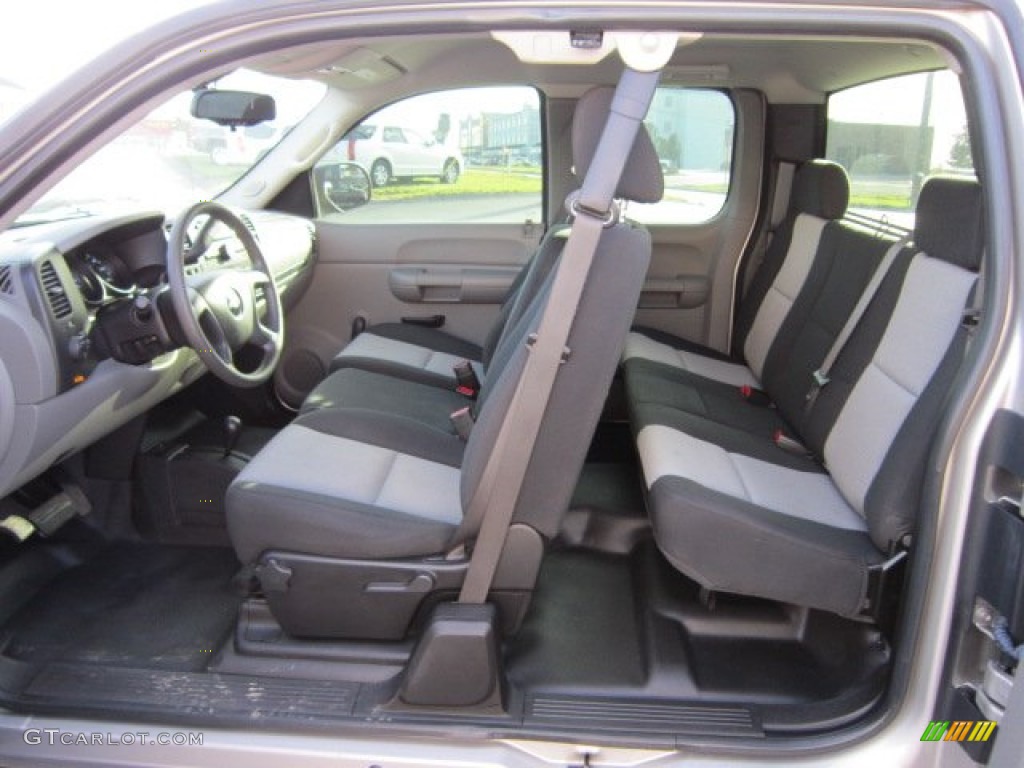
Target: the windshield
(169, 159)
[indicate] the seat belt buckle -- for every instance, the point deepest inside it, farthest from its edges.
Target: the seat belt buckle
(462, 421)
(789, 444)
(755, 396)
(466, 382)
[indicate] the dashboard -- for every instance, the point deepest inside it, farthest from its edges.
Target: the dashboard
(78, 358)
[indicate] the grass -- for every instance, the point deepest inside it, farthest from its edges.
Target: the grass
(717, 187)
(887, 202)
(474, 181)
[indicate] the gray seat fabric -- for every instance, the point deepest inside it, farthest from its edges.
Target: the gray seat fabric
(738, 514)
(355, 482)
(348, 484)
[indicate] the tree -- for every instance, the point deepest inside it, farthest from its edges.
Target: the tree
(960, 152)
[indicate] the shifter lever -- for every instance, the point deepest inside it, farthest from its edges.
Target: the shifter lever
(232, 431)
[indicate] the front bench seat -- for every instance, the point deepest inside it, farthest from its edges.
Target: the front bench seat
(353, 521)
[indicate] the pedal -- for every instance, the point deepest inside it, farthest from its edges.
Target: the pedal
(51, 515)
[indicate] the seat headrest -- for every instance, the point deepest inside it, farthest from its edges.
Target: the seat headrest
(642, 180)
(950, 221)
(821, 188)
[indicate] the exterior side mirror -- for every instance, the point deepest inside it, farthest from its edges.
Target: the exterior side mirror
(341, 186)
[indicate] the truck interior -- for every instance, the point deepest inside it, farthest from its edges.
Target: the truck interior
(242, 481)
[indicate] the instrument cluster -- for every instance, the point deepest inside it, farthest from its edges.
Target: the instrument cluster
(100, 275)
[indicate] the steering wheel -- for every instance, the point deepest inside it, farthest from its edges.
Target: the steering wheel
(217, 310)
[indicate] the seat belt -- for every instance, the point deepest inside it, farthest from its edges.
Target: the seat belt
(821, 378)
(494, 501)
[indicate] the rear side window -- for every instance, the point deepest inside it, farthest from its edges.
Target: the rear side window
(470, 155)
(693, 130)
(890, 135)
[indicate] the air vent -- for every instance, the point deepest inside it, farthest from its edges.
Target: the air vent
(57, 297)
(6, 281)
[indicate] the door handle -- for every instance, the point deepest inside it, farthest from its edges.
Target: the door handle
(419, 584)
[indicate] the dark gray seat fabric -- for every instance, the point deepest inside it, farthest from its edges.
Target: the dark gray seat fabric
(373, 391)
(738, 514)
(361, 483)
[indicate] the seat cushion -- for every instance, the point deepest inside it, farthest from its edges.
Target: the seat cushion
(346, 483)
(676, 353)
(738, 515)
(354, 388)
(411, 352)
(650, 383)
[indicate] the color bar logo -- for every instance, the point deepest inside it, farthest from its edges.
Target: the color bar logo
(959, 730)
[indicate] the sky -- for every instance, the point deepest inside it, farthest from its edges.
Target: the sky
(41, 41)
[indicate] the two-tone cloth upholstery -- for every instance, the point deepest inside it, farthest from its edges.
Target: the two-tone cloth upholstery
(354, 482)
(738, 514)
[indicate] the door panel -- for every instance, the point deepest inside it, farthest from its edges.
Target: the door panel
(441, 252)
(381, 273)
(689, 288)
(679, 292)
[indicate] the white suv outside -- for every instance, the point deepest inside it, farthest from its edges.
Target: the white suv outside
(390, 152)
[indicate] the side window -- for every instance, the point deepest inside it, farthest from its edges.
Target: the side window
(470, 155)
(692, 129)
(892, 134)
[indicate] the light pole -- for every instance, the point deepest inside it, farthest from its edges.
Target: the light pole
(923, 157)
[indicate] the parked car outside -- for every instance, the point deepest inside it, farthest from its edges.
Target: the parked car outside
(389, 152)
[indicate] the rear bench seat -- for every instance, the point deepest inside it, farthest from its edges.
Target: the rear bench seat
(811, 278)
(738, 513)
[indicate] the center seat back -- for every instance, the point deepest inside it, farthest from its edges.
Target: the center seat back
(598, 335)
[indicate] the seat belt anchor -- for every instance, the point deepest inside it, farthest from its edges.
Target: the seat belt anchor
(467, 384)
(789, 444)
(755, 396)
(462, 421)
(531, 340)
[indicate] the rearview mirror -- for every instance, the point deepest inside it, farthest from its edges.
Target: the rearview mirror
(233, 108)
